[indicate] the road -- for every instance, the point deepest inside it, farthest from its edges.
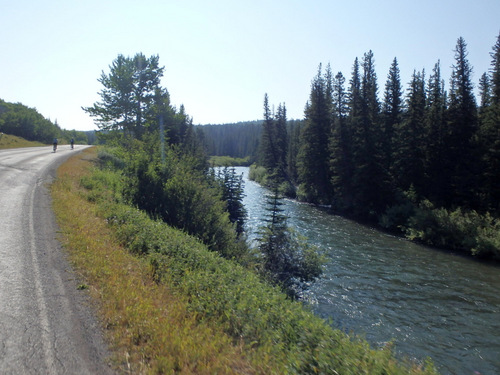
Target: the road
(46, 323)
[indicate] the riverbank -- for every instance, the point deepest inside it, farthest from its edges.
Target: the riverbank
(176, 306)
(428, 302)
(468, 233)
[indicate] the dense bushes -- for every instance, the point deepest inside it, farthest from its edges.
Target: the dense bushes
(272, 328)
(458, 229)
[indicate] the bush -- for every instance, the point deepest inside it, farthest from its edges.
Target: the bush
(256, 315)
(465, 231)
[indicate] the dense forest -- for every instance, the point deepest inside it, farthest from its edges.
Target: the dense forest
(423, 161)
(22, 121)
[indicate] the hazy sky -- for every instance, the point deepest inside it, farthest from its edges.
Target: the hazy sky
(221, 57)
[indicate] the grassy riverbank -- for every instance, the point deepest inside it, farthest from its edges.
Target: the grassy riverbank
(168, 304)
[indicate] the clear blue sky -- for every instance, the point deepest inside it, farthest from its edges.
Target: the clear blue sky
(221, 57)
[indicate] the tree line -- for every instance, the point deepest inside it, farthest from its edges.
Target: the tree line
(19, 120)
(424, 160)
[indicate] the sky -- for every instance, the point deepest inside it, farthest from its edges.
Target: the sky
(222, 56)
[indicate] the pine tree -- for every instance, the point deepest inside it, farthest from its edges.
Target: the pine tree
(288, 261)
(436, 138)
(129, 95)
(371, 181)
(233, 193)
(489, 134)
(392, 109)
(313, 158)
(340, 147)
(274, 141)
(410, 138)
(463, 125)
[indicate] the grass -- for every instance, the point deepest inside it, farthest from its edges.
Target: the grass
(12, 141)
(149, 328)
(168, 305)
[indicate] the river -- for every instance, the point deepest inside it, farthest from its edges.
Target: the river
(429, 303)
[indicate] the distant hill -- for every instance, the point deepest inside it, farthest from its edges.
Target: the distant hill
(25, 122)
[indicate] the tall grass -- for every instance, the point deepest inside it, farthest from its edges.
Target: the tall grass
(170, 305)
(12, 141)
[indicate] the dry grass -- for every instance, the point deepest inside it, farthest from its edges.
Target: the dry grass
(11, 141)
(147, 327)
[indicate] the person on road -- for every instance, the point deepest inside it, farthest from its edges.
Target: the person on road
(55, 144)
(72, 143)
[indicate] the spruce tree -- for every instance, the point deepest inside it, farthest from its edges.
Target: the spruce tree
(340, 147)
(392, 109)
(313, 158)
(288, 261)
(436, 163)
(410, 138)
(371, 182)
(489, 134)
(463, 126)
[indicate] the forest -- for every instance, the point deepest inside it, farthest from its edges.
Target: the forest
(422, 161)
(22, 121)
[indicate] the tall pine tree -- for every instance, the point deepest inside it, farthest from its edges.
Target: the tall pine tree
(313, 158)
(463, 125)
(410, 142)
(489, 134)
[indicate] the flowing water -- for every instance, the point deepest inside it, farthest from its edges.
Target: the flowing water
(429, 303)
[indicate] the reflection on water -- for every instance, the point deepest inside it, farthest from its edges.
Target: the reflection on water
(430, 303)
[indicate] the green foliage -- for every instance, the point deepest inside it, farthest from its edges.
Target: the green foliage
(238, 140)
(461, 230)
(254, 314)
(22, 121)
(232, 187)
(288, 260)
(229, 161)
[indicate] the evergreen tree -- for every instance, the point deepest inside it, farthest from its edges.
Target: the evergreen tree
(233, 193)
(436, 162)
(313, 158)
(392, 109)
(489, 134)
(410, 144)
(129, 94)
(340, 147)
(370, 178)
(288, 261)
(463, 125)
(294, 130)
(274, 141)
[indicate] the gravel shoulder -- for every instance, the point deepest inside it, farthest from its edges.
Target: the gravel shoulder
(47, 325)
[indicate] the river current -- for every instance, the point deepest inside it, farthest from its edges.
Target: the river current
(428, 303)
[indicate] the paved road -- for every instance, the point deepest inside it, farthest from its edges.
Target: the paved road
(46, 326)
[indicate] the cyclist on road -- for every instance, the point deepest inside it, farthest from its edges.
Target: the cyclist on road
(55, 144)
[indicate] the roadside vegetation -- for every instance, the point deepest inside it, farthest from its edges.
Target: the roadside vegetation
(19, 120)
(11, 141)
(171, 304)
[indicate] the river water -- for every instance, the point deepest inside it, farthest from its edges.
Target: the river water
(429, 303)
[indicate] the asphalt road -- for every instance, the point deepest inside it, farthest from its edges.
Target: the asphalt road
(46, 323)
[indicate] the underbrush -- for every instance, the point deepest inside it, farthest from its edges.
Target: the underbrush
(175, 306)
(460, 230)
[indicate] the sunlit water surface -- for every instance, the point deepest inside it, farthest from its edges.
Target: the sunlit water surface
(430, 303)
